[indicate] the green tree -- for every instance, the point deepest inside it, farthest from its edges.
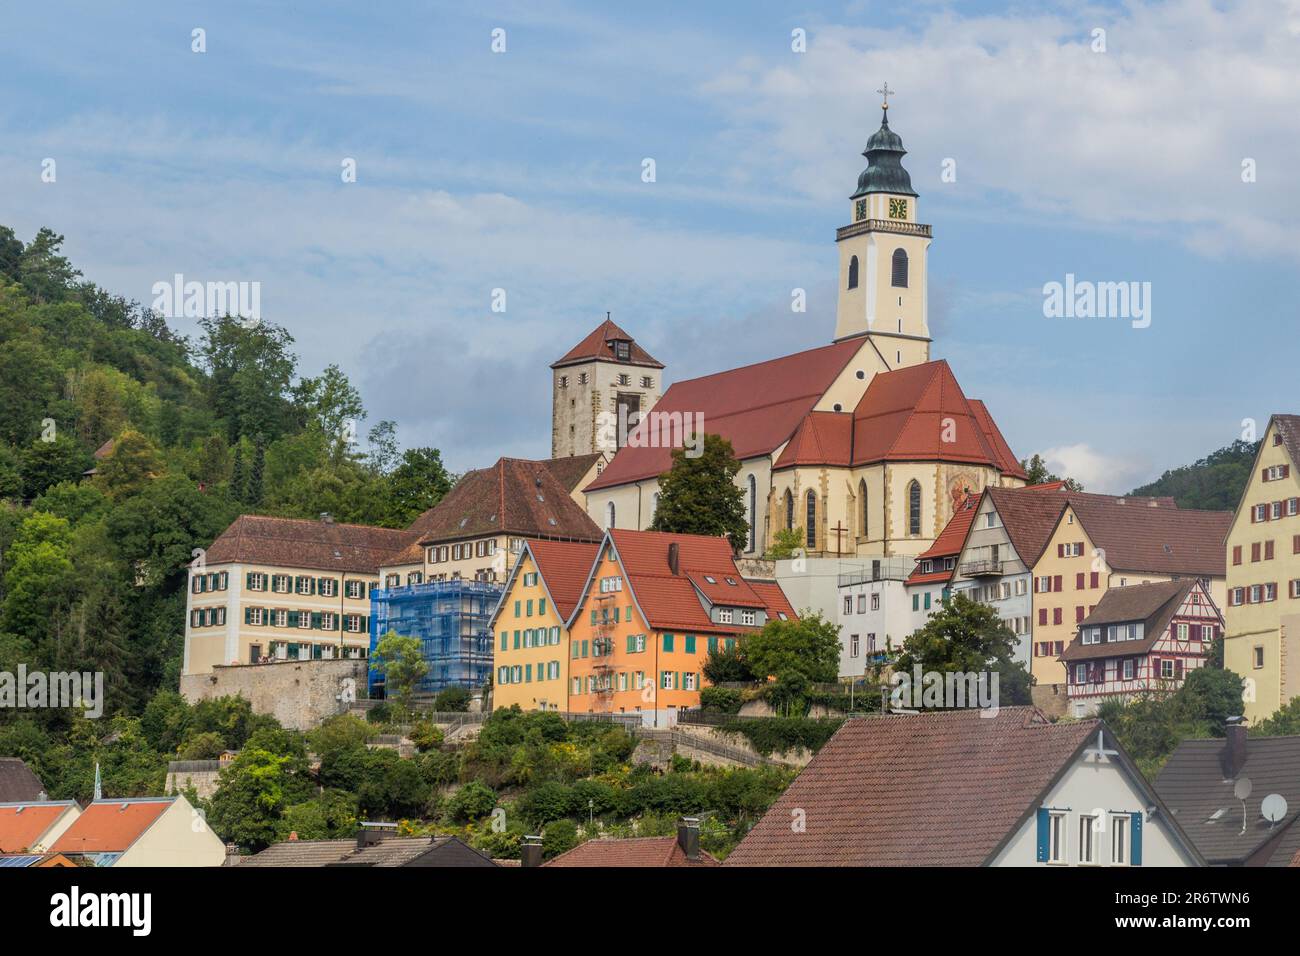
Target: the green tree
(452, 699)
(786, 543)
(133, 463)
(250, 370)
(809, 646)
(47, 463)
(1213, 483)
(968, 637)
(560, 836)
(417, 484)
(1038, 473)
(250, 799)
(400, 661)
(472, 801)
(698, 495)
(725, 665)
(333, 406)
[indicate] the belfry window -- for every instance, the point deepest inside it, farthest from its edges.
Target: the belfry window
(899, 271)
(853, 272)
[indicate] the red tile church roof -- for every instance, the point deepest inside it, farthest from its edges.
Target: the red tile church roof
(756, 408)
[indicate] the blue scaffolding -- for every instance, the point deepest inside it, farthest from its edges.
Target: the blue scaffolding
(452, 620)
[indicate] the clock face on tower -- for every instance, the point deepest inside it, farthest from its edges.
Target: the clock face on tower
(861, 210)
(898, 209)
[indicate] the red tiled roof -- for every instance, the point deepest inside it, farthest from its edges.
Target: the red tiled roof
(302, 543)
(564, 566)
(822, 438)
(598, 346)
(920, 414)
(515, 496)
(638, 851)
(775, 599)
(571, 470)
(948, 544)
(756, 408)
(1153, 604)
(970, 779)
(22, 825)
(669, 601)
(111, 826)
(1155, 538)
(719, 591)
(1002, 453)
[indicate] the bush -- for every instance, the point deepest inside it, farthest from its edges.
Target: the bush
(561, 836)
(472, 802)
(208, 745)
(548, 801)
(721, 700)
(426, 736)
(453, 699)
(770, 735)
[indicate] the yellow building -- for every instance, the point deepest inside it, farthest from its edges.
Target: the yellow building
(286, 589)
(1262, 617)
(532, 640)
(1104, 541)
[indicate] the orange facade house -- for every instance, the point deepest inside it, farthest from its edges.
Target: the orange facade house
(653, 607)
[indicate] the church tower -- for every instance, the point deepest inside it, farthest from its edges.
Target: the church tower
(883, 256)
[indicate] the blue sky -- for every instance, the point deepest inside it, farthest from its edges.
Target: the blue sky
(522, 170)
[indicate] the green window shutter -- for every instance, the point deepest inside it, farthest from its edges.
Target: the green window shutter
(505, 635)
(293, 618)
(248, 615)
(248, 580)
(690, 643)
(315, 620)
(698, 684)
(668, 643)
(631, 643)
(593, 616)
(573, 650)
(516, 640)
(518, 605)
(541, 606)
(713, 644)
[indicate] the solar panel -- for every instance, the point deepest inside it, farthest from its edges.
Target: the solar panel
(19, 860)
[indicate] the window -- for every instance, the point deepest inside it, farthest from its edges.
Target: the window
(564, 381)
(1258, 656)
(853, 645)
(1056, 837)
(753, 511)
(848, 604)
(789, 511)
(609, 515)
(1087, 839)
(853, 272)
(811, 532)
(875, 601)
(898, 276)
(748, 616)
(1167, 669)
(914, 507)
(666, 680)
(647, 382)
(1128, 668)
(257, 581)
(1119, 824)
(622, 350)
(865, 524)
(724, 615)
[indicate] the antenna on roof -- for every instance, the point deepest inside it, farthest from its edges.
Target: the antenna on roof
(1273, 808)
(1241, 790)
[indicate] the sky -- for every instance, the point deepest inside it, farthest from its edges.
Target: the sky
(1149, 143)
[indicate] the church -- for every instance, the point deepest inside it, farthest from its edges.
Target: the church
(864, 445)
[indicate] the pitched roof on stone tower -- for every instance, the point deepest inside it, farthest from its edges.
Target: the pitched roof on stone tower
(598, 346)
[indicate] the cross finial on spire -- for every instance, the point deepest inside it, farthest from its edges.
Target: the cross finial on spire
(886, 92)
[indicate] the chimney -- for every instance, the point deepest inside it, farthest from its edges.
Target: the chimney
(674, 558)
(688, 836)
(531, 851)
(326, 517)
(1234, 748)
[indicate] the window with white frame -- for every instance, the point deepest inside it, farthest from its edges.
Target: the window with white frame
(853, 645)
(1119, 839)
(1087, 839)
(724, 615)
(1166, 668)
(848, 604)
(1056, 837)
(748, 616)
(875, 601)
(1127, 669)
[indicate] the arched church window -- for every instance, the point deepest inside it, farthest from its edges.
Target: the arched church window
(853, 272)
(753, 511)
(862, 505)
(914, 507)
(609, 515)
(789, 511)
(899, 269)
(811, 534)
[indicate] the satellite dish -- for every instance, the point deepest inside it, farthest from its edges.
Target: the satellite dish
(1273, 808)
(1241, 789)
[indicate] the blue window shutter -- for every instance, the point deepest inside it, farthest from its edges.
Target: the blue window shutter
(1042, 834)
(1135, 851)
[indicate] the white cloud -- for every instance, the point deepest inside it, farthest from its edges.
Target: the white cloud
(1095, 470)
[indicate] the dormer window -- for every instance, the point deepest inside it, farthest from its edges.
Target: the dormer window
(711, 579)
(724, 615)
(622, 350)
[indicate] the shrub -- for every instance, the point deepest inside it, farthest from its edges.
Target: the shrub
(560, 836)
(472, 802)
(770, 735)
(721, 700)
(426, 736)
(453, 699)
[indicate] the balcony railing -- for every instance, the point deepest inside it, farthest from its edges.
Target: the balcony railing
(980, 569)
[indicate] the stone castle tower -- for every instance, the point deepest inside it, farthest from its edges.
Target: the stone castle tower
(607, 372)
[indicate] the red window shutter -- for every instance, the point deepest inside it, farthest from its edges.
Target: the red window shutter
(1078, 613)
(1254, 551)
(1060, 550)
(1095, 580)
(1056, 615)
(1042, 615)
(1295, 544)
(1078, 581)
(1056, 582)
(1268, 550)
(1236, 554)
